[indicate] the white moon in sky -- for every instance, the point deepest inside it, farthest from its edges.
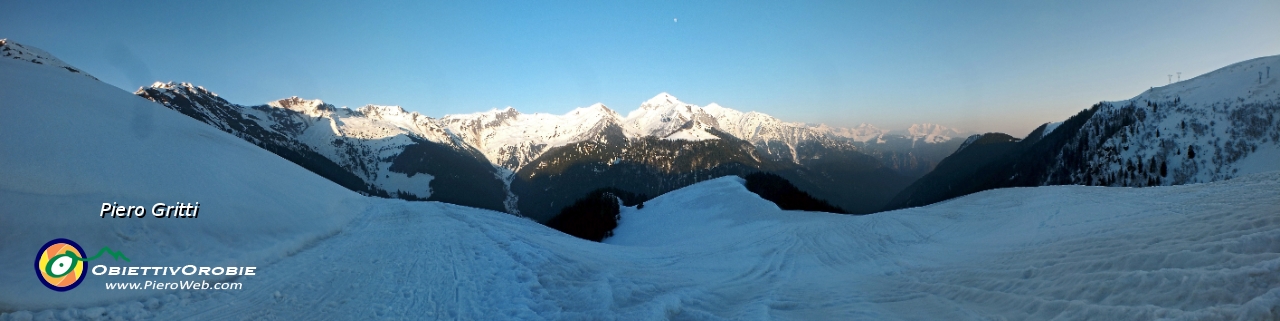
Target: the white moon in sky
(676, 20)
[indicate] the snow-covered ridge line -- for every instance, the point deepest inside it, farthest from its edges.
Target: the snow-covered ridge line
(511, 139)
(13, 50)
(178, 86)
(968, 141)
(353, 139)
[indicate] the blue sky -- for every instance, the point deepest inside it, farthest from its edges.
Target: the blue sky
(984, 66)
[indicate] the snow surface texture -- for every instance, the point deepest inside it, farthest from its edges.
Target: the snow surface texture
(709, 251)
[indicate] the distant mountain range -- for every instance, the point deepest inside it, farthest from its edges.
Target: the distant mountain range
(535, 164)
(497, 158)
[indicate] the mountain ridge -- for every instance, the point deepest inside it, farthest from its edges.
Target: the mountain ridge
(1212, 127)
(509, 141)
(370, 141)
(481, 159)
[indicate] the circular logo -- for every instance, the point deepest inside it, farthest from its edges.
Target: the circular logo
(59, 265)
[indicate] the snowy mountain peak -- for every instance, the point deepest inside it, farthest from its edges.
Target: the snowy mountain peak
(179, 88)
(661, 100)
(927, 129)
(379, 111)
(486, 119)
(14, 50)
(664, 115)
(868, 127)
(313, 107)
(931, 133)
(596, 108)
(862, 133)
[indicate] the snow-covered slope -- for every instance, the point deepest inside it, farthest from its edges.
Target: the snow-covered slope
(1212, 127)
(71, 143)
(710, 251)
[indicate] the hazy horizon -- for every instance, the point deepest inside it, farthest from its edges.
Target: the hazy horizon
(1005, 67)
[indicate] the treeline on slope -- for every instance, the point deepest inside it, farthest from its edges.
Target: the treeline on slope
(1002, 162)
(845, 177)
(953, 173)
(649, 165)
(855, 182)
(459, 177)
(781, 192)
(594, 216)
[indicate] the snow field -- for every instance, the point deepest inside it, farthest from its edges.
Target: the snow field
(1198, 252)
